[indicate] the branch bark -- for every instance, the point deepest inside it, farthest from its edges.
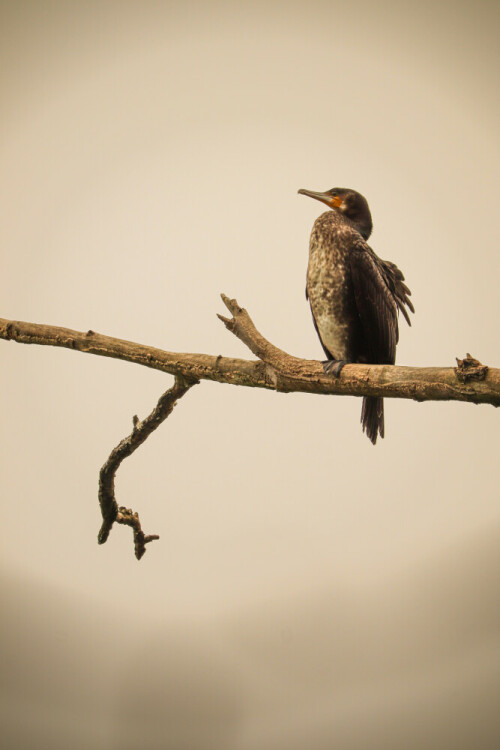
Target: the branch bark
(275, 369)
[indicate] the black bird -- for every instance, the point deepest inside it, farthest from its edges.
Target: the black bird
(354, 295)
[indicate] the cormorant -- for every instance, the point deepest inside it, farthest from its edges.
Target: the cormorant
(354, 295)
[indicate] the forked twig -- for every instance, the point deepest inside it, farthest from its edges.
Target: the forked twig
(110, 510)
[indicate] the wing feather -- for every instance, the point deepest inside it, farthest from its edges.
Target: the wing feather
(376, 305)
(395, 281)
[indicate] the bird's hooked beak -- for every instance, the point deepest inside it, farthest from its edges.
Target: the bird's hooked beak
(332, 201)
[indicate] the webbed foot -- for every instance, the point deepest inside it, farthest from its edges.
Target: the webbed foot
(334, 366)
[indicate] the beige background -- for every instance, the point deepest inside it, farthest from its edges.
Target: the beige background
(308, 589)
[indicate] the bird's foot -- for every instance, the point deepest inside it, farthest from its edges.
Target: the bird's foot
(334, 366)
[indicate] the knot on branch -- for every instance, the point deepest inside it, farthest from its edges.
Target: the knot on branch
(470, 369)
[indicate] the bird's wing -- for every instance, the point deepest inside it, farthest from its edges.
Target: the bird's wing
(395, 281)
(376, 304)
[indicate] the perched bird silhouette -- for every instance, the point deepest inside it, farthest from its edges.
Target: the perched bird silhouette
(354, 295)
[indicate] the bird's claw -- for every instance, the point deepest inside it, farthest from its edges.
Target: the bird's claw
(334, 366)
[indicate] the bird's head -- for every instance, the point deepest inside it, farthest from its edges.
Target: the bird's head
(348, 202)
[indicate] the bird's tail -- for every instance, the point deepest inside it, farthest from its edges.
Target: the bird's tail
(372, 417)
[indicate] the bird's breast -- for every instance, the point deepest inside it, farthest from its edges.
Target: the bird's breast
(329, 287)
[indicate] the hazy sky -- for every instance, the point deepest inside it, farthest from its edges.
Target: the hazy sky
(150, 158)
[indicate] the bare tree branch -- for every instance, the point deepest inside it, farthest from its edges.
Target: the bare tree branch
(110, 510)
(275, 369)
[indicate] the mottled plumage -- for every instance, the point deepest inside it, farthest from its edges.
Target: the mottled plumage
(354, 295)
